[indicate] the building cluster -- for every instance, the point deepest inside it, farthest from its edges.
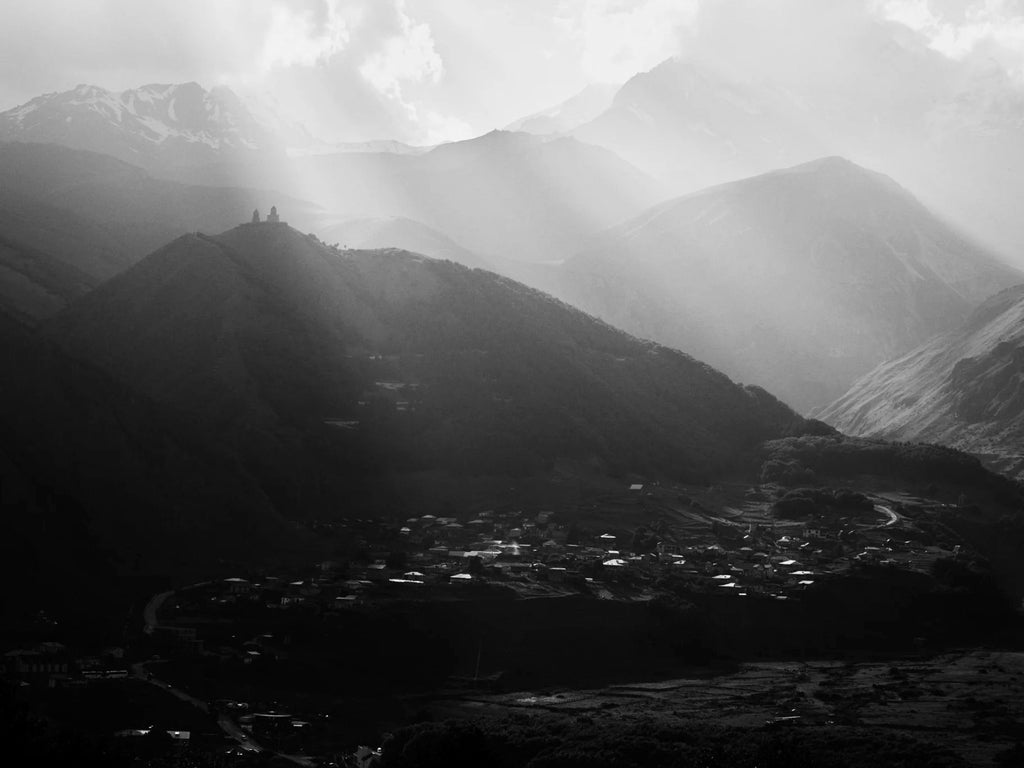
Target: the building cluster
(538, 554)
(272, 217)
(53, 665)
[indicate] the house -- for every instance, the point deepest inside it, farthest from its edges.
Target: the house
(237, 585)
(43, 665)
(667, 548)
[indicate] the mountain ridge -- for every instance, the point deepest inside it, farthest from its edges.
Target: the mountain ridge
(799, 279)
(273, 337)
(962, 389)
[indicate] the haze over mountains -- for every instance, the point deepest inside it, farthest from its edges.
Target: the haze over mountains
(950, 132)
(796, 271)
(964, 388)
(798, 280)
(394, 364)
(71, 219)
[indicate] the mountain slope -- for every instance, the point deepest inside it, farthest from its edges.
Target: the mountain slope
(571, 113)
(964, 389)
(798, 280)
(154, 126)
(692, 127)
(404, 234)
(507, 195)
(103, 490)
(70, 219)
(329, 370)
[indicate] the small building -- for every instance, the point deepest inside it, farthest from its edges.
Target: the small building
(237, 585)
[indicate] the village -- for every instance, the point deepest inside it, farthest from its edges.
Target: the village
(728, 544)
(745, 550)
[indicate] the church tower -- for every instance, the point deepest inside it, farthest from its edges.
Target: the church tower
(272, 216)
(256, 216)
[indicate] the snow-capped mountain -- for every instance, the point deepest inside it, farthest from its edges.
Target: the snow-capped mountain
(155, 126)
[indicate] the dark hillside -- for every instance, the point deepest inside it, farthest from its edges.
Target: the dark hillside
(102, 490)
(327, 367)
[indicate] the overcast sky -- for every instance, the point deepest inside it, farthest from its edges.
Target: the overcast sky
(430, 70)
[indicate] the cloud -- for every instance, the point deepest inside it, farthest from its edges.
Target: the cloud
(407, 56)
(618, 38)
(990, 31)
(302, 36)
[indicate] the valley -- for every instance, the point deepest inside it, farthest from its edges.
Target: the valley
(679, 422)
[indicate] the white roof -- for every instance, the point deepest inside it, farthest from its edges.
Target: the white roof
(614, 562)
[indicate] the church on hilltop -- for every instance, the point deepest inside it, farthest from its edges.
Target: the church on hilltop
(272, 217)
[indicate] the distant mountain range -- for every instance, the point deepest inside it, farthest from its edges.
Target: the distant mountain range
(507, 195)
(152, 126)
(692, 127)
(964, 388)
(798, 280)
(329, 370)
(502, 195)
(949, 132)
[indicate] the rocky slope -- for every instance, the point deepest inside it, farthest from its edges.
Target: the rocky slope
(154, 126)
(964, 389)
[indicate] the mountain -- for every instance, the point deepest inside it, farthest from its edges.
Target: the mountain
(949, 129)
(332, 373)
(154, 126)
(572, 113)
(404, 234)
(506, 195)
(693, 127)
(71, 219)
(798, 280)
(963, 389)
(103, 490)
(35, 284)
